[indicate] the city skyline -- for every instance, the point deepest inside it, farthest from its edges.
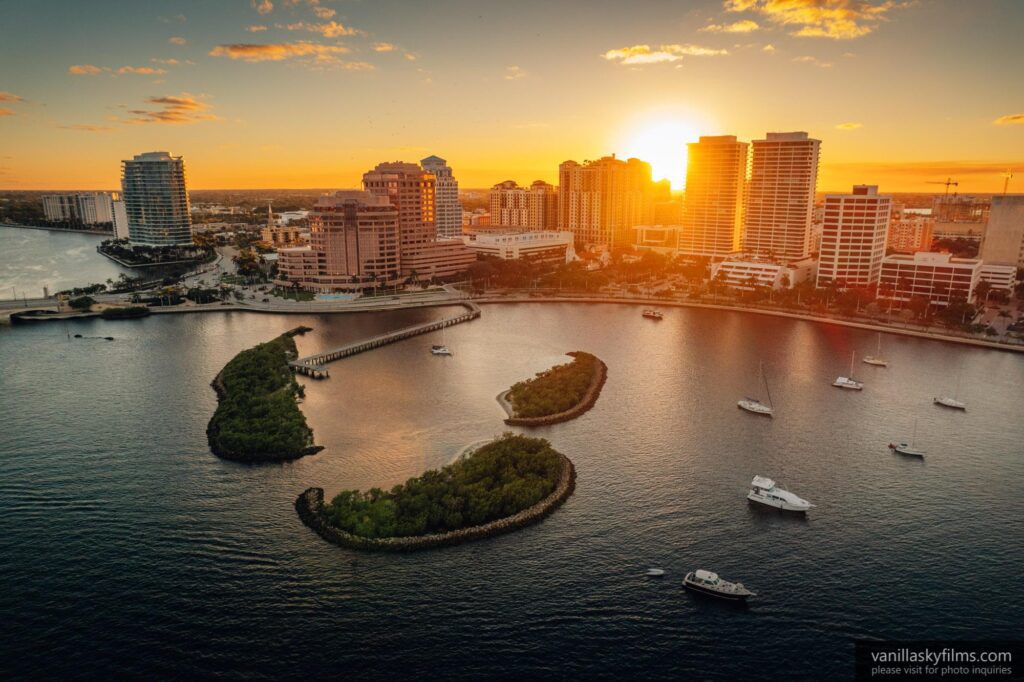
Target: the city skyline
(310, 93)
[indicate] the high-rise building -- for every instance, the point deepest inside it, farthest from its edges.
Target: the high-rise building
(780, 196)
(1004, 236)
(713, 207)
(120, 220)
(84, 208)
(156, 199)
(601, 201)
(534, 207)
(909, 232)
(448, 210)
(354, 244)
(853, 237)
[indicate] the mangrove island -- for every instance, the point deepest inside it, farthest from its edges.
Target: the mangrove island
(257, 417)
(509, 483)
(559, 394)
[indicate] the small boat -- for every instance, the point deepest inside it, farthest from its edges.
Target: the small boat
(655, 572)
(440, 350)
(908, 448)
(754, 405)
(764, 491)
(652, 315)
(849, 382)
(950, 402)
(709, 583)
(876, 360)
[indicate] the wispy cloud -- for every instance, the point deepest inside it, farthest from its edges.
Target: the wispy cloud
(384, 47)
(176, 19)
(141, 70)
(276, 52)
(9, 97)
(645, 54)
(87, 128)
(813, 60)
(324, 12)
(768, 48)
(255, 28)
(849, 126)
(4, 111)
(173, 110)
(330, 29)
(923, 170)
(177, 40)
(84, 70)
(1009, 120)
(263, 6)
(409, 56)
(514, 73)
(741, 26)
(836, 19)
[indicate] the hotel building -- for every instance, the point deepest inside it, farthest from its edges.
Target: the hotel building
(448, 210)
(534, 207)
(156, 199)
(853, 237)
(713, 208)
(601, 201)
(938, 277)
(780, 196)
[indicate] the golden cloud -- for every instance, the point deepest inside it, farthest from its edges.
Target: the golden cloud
(255, 28)
(742, 26)
(276, 52)
(87, 128)
(173, 110)
(323, 12)
(263, 7)
(813, 60)
(6, 112)
(84, 69)
(645, 54)
(514, 73)
(1009, 120)
(384, 47)
(331, 29)
(849, 126)
(926, 170)
(9, 97)
(836, 19)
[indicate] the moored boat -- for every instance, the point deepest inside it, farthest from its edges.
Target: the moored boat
(849, 382)
(908, 449)
(764, 491)
(876, 360)
(440, 350)
(652, 314)
(755, 406)
(946, 401)
(707, 582)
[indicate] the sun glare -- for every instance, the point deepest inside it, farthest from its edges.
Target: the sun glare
(663, 145)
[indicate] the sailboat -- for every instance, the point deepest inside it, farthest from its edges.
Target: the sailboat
(953, 402)
(753, 404)
(876, 360)
(849, 382)
(908, 449)
(441, 349)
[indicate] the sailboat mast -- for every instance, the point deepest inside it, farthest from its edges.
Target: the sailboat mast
(764, 378)
(853, 357)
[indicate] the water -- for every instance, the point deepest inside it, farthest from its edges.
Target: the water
(128, 550)
(33, 259)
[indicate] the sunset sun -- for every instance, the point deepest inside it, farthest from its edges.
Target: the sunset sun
(663, 145)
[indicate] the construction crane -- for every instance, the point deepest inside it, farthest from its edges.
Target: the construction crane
(947, 183)
(1008, 175)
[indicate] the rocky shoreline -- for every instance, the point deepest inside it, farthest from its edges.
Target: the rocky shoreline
(310, 503)
(588, 401)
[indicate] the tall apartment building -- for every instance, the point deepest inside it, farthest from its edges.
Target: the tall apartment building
(156, 199)
(534, 207)
(120, 219)
(853, 237)
(780, 196)
(1004, 237)
(909, 232)
(85, 208)
(601, 201)
(713, 207)
(353, 244)
(448, 210)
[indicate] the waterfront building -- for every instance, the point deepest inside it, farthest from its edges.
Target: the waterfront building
(938, 277)
(534, 207)
(120, 219)
(83, 208)
(542, 246)
(780, 196)
(354, 245)
(746, 274)
(448, 209)
(477, 218)
(601, 201)
(909, 232)
(853, 237)
(156, 199)
(999, 276)
(713, 207)
(1003, 243)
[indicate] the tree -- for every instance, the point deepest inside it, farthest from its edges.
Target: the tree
(981, 291)
(82, 302)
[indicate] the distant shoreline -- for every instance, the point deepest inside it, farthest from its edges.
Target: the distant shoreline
(102, 233)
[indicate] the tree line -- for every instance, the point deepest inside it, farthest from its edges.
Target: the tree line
(555, 390)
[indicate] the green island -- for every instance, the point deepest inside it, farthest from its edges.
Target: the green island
(506, 484)
(560, 393)
(257, 417)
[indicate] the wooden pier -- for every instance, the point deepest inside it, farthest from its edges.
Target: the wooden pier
(315, 365)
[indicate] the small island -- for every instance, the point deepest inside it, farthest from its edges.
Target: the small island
(509, 483)
(257, 417)
(559, 394)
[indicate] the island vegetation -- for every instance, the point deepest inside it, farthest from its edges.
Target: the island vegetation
(124, 312)
(556, 390)
(497, 480)
(257, 417)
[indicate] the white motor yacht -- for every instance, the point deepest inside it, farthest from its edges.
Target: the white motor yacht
(709, 583)
(764, 491)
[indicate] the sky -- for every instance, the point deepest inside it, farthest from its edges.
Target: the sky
(312, 93)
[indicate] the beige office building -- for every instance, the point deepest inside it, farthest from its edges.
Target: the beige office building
(601, 201)
(713, 208)
(853, 237)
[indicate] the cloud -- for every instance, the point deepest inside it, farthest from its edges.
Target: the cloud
(263, 7)
(172, 110)
(6, 112)
(276, 52)
(645, 54)
(813, 60)
(87, 128)
(742, 26)
(409, 56)
(173, 62)
(141, 70)
(324, 12)
(255, 28)
(384, 47)
(331, 29)
(1009, 120)
(177, 18)
(176, 40)
(849, 126)
(9, 97)
(835, 19)
(514, 73)
(84, 69)
(768, 48)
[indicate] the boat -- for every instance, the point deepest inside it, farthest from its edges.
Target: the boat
(908, 448)
(440, 350)
(953, 402)
(764, 491)
(655, 572)
(709, 583)
(876, 360)
(754, 405)
(652, 315)
(849, 382)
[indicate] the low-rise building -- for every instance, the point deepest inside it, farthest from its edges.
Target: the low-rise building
(746, 274)
(938, 277)
(438, 260)
(546, 246)
(659, 238)
(909, 232)
(998, 276)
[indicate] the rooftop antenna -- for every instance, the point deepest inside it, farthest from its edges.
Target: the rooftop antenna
(1008, 175)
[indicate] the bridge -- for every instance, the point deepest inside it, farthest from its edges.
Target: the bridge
(314, 365)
